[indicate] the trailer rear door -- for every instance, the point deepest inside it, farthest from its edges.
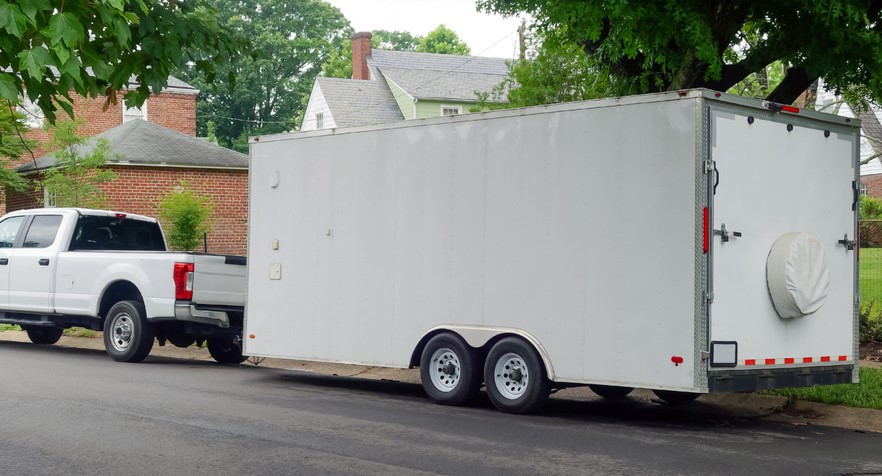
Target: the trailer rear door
(786, 182)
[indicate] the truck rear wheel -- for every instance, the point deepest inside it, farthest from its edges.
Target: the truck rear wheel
(450, 370)
(515, 377)
(44, 335)
(225, 350)
(610, 392)
(128, 337)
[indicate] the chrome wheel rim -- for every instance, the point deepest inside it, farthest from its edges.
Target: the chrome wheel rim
(445, 369)
(512, 376)
(121, 330)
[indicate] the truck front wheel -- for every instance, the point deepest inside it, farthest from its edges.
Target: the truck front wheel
(450, 370)
(225, 350)
(44, 335)
(128, 337)
(515, 377)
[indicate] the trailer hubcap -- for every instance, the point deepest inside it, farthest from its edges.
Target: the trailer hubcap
(512, 376)
(122, 330)
(445, 370)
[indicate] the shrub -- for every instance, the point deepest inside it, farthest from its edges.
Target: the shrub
(187, 216)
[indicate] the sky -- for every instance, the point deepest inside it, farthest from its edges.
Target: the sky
(487, 35)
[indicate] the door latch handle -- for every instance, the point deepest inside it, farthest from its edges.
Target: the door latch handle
(848, 244)
(44, 262)
(724, 233)
(4, 261)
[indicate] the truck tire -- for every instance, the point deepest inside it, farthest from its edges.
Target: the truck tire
(675, 398)
(128, 337)
(44, 335)
(450, 370)
(610, 392)
(515, 377)
(225, 351)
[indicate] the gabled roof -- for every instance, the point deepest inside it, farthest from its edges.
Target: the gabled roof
(437, 76)
(872, 129)
(356, 103)
(144, 143)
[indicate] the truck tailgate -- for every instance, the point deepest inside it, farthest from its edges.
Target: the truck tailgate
(219, 280)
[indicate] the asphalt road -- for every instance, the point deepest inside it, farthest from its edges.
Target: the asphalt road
(74, 411)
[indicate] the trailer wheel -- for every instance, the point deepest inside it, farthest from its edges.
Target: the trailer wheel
(44, 335)
(515, 377)
(610, 392)
(128, 337)
(225, 350)
(675, 398)
(450, 370)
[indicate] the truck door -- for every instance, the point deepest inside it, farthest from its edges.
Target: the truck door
(782, 251)
(32, 265)
(9, 229)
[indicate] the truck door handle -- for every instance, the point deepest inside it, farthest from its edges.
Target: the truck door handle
(4, 261)
(44, 262)
(724, 233)
(848, 244)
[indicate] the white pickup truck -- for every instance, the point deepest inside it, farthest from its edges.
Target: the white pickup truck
(110, 271)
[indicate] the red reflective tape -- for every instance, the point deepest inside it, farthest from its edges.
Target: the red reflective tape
(770, 361)
(789, 360)
(842, 358)
(706, 230)
(750, 362)
(806, 360)
(825, 358)
(790, 109)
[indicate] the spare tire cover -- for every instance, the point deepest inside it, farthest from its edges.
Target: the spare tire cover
(798, 275)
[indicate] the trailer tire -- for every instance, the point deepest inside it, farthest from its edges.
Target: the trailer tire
(44, 335)
(611, 392)
(450, 370)
(515, 377)
(675, 398)
(128, 336)
(225, 350)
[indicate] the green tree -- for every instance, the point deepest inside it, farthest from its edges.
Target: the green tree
(187, 216)
(443, 40)
(395, 40)
(75, 179)
(676, 44)
(13, 145)
(49, 49)
(290, 42)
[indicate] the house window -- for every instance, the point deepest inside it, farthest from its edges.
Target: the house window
(863, 189)
(451, 110)
(33, 114)
(320, 121)
(49, 200)
(133, 112)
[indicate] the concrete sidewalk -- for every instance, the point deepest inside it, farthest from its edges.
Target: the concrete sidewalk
(723, 405)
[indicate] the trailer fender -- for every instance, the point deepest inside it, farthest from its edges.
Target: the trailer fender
(479, 337)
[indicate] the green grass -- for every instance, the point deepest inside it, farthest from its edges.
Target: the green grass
(80, 332)
(9, 327)
(866, 394)
(871, 276)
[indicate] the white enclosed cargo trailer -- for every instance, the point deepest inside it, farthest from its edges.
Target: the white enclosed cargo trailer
(686, 242)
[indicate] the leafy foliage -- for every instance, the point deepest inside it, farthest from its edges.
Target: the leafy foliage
(76, 177)
(443, 40)
(870, 208)
(13, 145)
(290, 41)
(186, 216)
(50, 49)
(676, 44)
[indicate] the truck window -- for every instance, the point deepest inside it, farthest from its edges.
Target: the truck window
(9, 230)
(116, 234)
(42, 231)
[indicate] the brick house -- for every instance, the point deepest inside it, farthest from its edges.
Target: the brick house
(389, 86)
(159, 149)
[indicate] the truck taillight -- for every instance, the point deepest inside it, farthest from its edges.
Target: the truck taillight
(183, 277)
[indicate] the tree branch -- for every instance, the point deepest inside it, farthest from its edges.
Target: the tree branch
(794, 83)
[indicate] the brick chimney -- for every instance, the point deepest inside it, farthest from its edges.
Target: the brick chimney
(361, 49)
